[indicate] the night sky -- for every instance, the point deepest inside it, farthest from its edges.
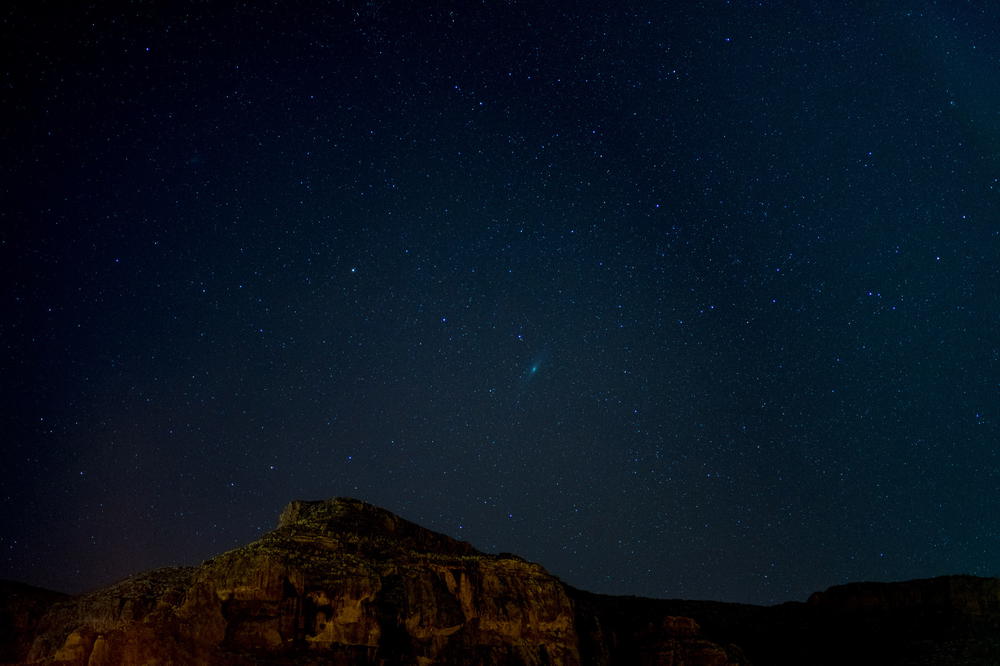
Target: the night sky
(678, 299)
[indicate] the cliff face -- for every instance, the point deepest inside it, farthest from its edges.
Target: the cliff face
(947, 620)
(344, 582)
(341, 582)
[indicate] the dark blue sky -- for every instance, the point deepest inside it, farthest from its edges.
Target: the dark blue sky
(682, 299)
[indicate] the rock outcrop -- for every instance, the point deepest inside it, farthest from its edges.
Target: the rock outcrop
(343, 582)
(339, 582)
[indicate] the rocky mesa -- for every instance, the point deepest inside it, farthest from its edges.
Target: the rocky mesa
(344, 582)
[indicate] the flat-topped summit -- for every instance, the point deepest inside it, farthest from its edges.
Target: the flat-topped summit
(969, 594)
(353, 521)
(320, 515)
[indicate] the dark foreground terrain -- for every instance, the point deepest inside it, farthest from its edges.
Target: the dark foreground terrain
(344, 582)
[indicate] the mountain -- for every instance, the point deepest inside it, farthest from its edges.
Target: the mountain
(344, 582)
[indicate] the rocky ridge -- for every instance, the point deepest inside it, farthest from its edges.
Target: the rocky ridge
(345, 582)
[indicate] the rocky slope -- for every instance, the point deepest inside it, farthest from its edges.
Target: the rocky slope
(344, 582)
(21, 609)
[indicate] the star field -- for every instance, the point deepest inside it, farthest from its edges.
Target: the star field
(676, 299)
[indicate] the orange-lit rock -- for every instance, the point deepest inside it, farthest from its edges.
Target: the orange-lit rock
(344, 582)
(337, 582)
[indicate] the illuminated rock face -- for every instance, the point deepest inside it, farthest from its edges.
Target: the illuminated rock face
(341, 582)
